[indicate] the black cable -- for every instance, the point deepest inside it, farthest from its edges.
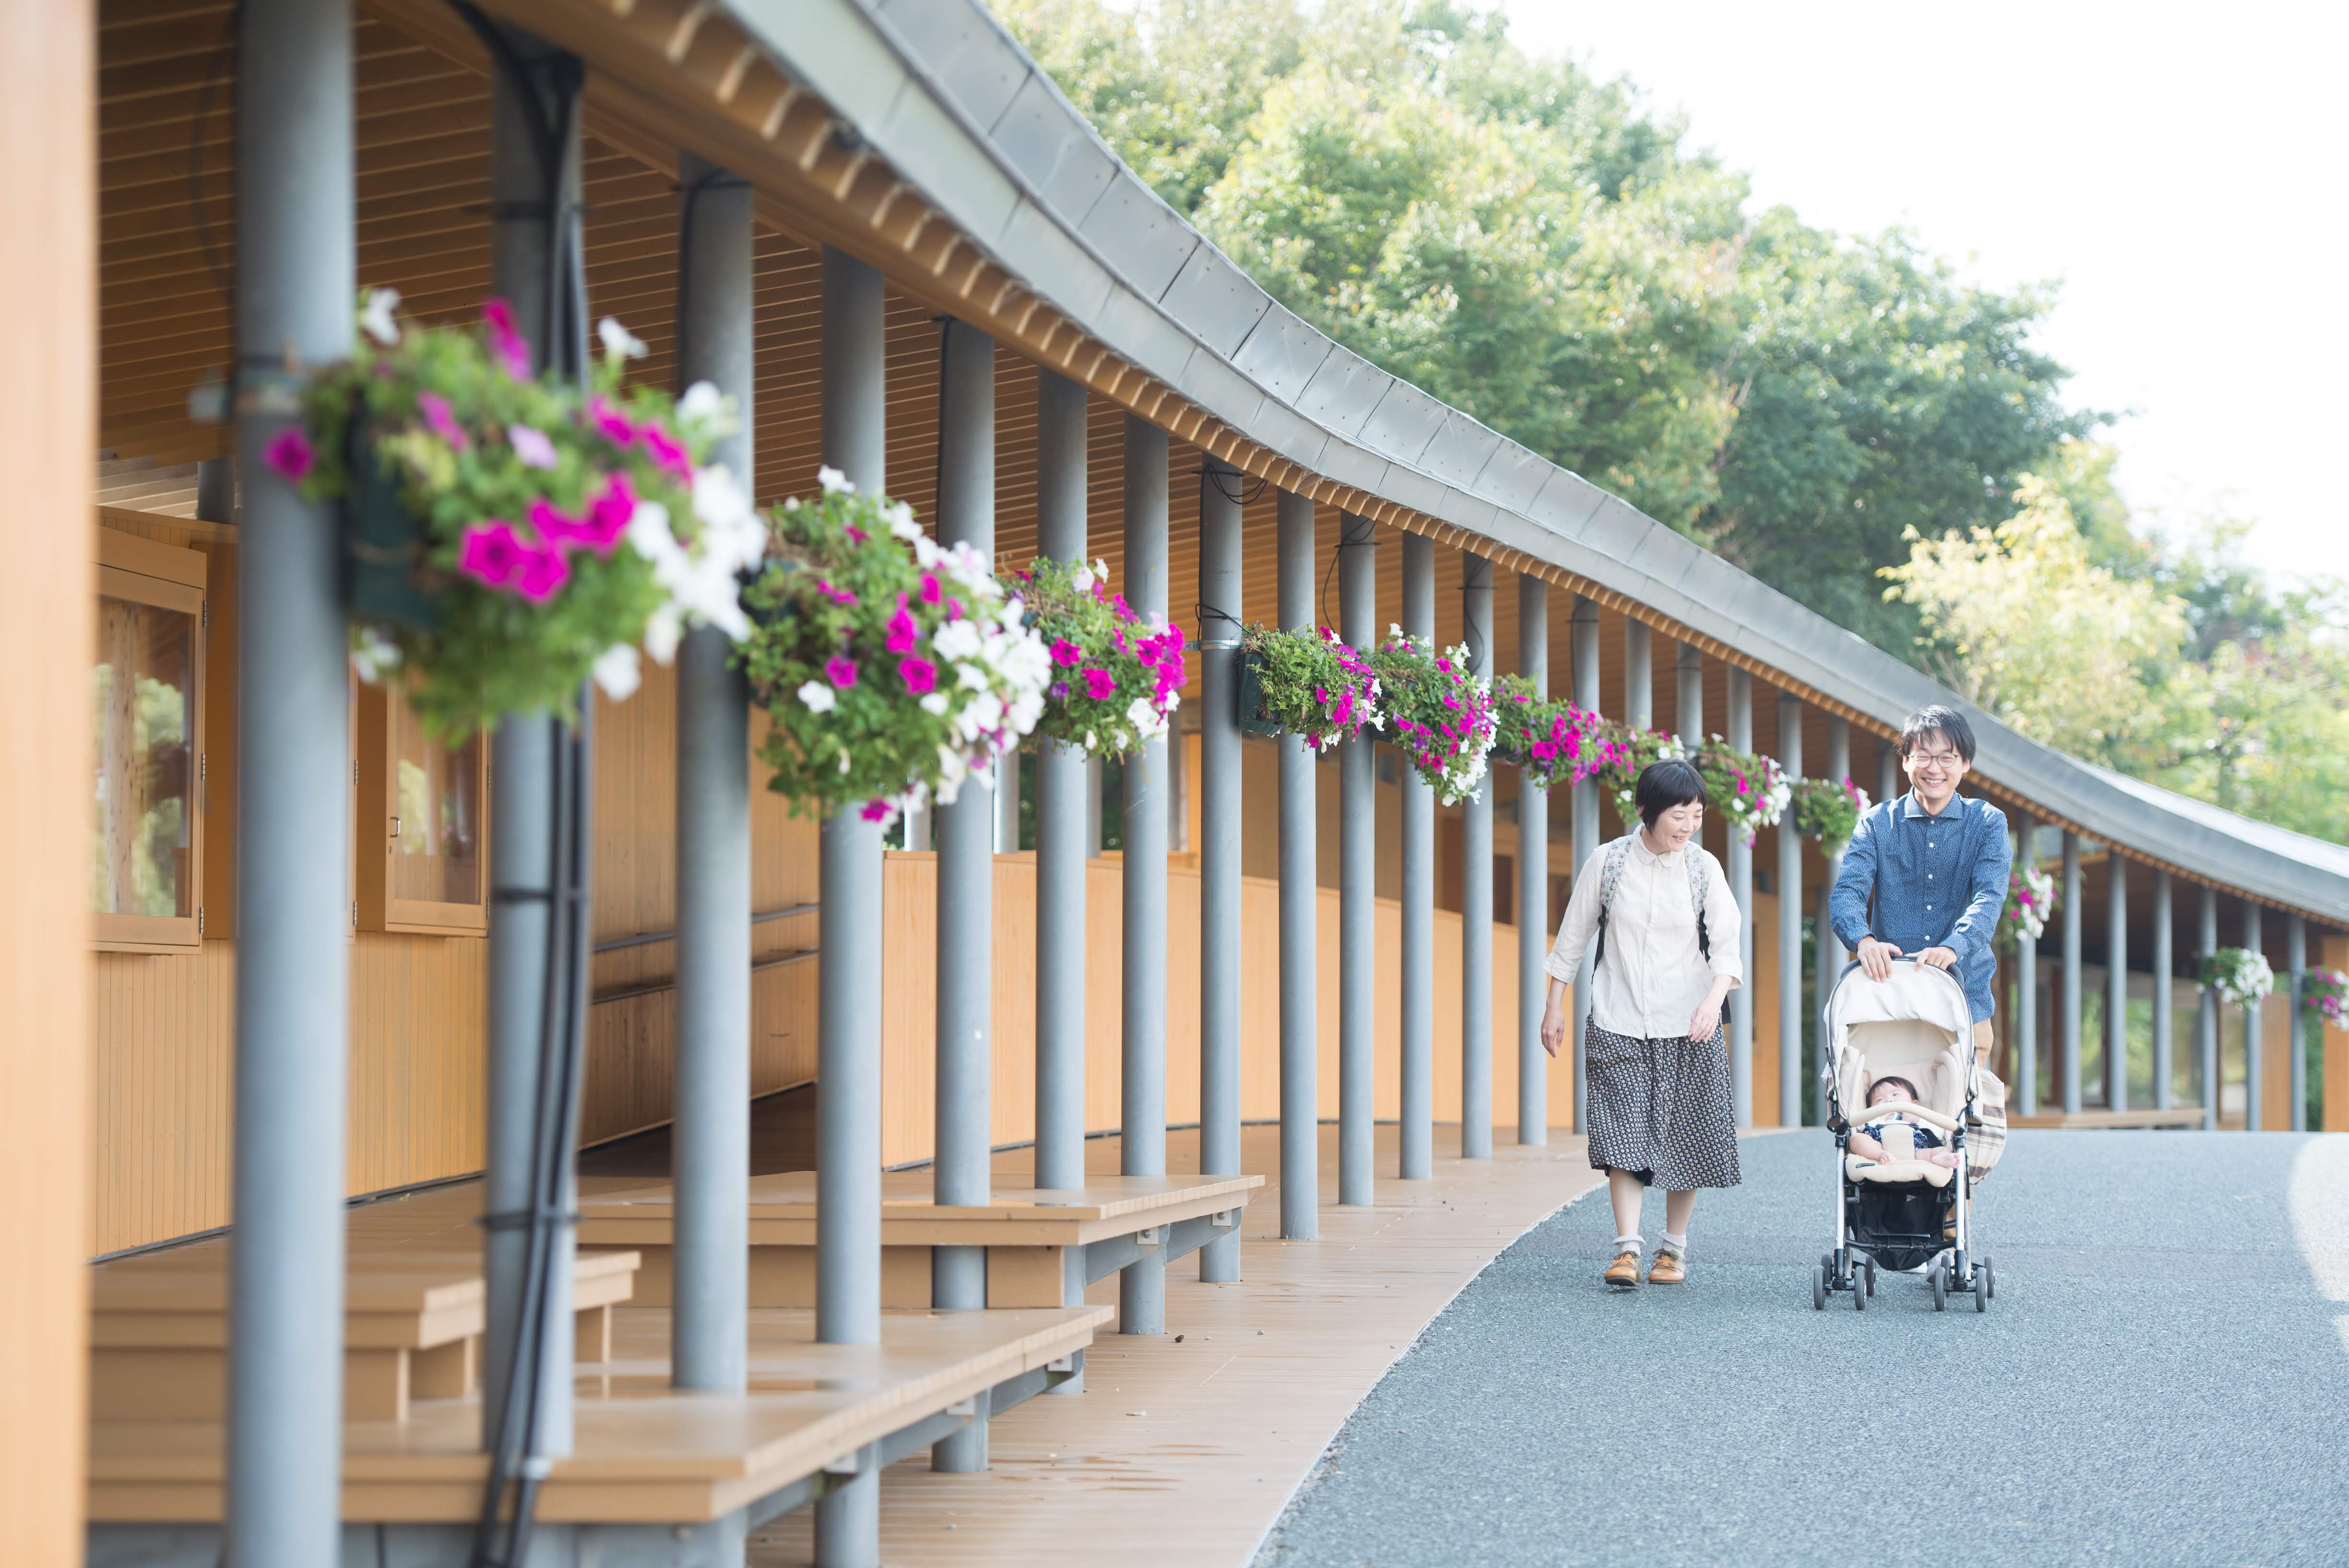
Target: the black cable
(1238, 494)
(1348, 539)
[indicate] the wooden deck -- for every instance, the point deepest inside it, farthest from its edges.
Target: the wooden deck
(1182, 1454)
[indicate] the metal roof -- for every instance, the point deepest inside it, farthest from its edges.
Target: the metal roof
(959, 109)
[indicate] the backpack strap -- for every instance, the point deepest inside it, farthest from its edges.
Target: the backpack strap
(1697, 882)
(1610, 872)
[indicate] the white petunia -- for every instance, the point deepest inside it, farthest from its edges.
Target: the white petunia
(1101, 568)
(374, 656)
(835, 483)
(1140, 714)
(1090, 740)
(663, 632)
(1080, 577)
(957, 640)
(619, 343)
(934, 704)
(1026, 708)
(900, 518)
(615, 670)
(926, 551)
(817, 697)
(1119, 740)
(703, 404)
(1173, 700)
(987, 714)
(377, 319)
(972, 676)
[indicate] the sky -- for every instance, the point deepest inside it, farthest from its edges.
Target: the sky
(2177, 173)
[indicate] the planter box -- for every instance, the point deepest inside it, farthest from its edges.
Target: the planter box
(1252, 719)
(384, 578)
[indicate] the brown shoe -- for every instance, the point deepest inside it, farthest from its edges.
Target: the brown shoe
(1624, 1269)
(1666, 1269)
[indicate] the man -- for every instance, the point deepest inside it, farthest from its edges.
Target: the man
(1926, 874)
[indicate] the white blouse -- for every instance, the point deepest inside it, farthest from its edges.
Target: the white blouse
(1652, 977)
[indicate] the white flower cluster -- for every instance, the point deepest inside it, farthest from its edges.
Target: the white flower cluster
(703, 578)
(2239, 975)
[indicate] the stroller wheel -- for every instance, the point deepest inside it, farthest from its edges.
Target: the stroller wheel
(1858, 1290)
(1989, 1280)
(1818, 1287)
(1935, 1277)
(1871, 1276)
(1982, 1288)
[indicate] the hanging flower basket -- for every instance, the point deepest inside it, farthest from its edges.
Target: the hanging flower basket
(1439, 713)
(2325, 992)
(2237, 975)
(1828, 810)
(890, 667)
(1305, 683)
(504, 538)
(2030, 899)
(1751, 790)
(1117, 679)
(1553, 742)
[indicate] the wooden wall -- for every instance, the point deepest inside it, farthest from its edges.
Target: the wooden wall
(48, 235)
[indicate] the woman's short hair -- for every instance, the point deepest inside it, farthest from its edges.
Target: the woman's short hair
(1665, 784)
(1942, 721)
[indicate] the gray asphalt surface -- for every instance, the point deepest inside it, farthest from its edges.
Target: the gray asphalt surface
(2159, 1381)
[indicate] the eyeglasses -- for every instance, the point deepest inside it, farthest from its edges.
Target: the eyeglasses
(1932, 759)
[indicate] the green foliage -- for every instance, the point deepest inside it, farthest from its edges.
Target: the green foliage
(1548, 738)
(1828, 810)
(1439, 715)
(889, 668)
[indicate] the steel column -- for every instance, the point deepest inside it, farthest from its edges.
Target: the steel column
(1688, 693)
(1220, 818)
(1416, 1134)
(528, 267)
(1062, 820)
(1741, 885)
(1357, 891)
(2295, 952)
(1533, 881)
(848, 983)
(2067, 1015)
(2254, 1046)
(2116, 980)
(1007, 804)
(1586, 840)
(1476, 889)
(963, 833)
(1828, 956)
(2024, 1024)
(1142, 1285)
(1790, 924)
(1888, 769)
(2206, 1011)
(1299, 1136)
(295, 285)
(2163, 965)
(710, 1142)
(1638, 677)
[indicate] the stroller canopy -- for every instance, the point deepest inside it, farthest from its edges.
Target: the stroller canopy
(1908, 1026)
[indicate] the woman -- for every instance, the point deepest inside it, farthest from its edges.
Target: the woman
(1666, 929)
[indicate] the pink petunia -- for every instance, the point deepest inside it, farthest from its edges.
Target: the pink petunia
(611, 423)
(554, 525)
(840, 596)
(440, 421)
(920, 676)
(1067, 652)
(492, 553)
(876, 811)
(532, 446)
(290, 454)
(542, 572)
(666, 449)
(930, 590)
(1100, 684)
(505, 339)
(840, 670)
(903, 633)
(609, 516)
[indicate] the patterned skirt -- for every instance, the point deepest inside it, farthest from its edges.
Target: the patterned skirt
(1660, 1109)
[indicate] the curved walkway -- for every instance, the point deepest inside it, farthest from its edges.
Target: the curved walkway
(2163, 1379)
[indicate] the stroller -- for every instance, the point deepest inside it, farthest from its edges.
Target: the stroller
(1909, 1216)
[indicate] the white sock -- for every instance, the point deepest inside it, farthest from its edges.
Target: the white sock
(1676, 1245)
(1629, 1244)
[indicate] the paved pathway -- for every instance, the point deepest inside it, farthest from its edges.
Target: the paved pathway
(2164, 1378)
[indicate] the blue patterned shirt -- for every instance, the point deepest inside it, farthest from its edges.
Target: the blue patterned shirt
(1919, 881)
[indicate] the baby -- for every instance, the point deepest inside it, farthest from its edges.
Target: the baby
(1896, 1129)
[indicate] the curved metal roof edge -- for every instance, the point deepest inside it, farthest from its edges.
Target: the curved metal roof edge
(1122, 264)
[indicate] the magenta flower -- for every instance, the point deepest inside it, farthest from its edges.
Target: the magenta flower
(440, 421)
(841, 671)
(290, 454)
(666, 449)
(505, 339)
(930, 589)
(544, 572)
(903, 633)
(1100, 684)
(555, 526)
(875, 811)
(611, 423)
(1067, 652)
(492, 553)
(920, 676)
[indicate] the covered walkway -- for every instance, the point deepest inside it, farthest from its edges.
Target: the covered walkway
(2164, 1378)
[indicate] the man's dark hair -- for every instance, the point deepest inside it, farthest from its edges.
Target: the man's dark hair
(1892, 1078)
(1951, 724)
(1665, 784)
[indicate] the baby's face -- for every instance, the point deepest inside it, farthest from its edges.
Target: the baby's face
(1888, 1094)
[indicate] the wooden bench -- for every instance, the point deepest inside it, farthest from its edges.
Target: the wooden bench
(642, 1453)
(413, 1321)
(1043, 1245)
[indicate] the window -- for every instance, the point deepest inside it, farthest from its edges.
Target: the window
(423, 852)
(146, 762)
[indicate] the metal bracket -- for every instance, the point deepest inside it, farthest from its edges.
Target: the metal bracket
(1062, 1364)
(963, 1407)
(1152, 1236)
(1224, 1220)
